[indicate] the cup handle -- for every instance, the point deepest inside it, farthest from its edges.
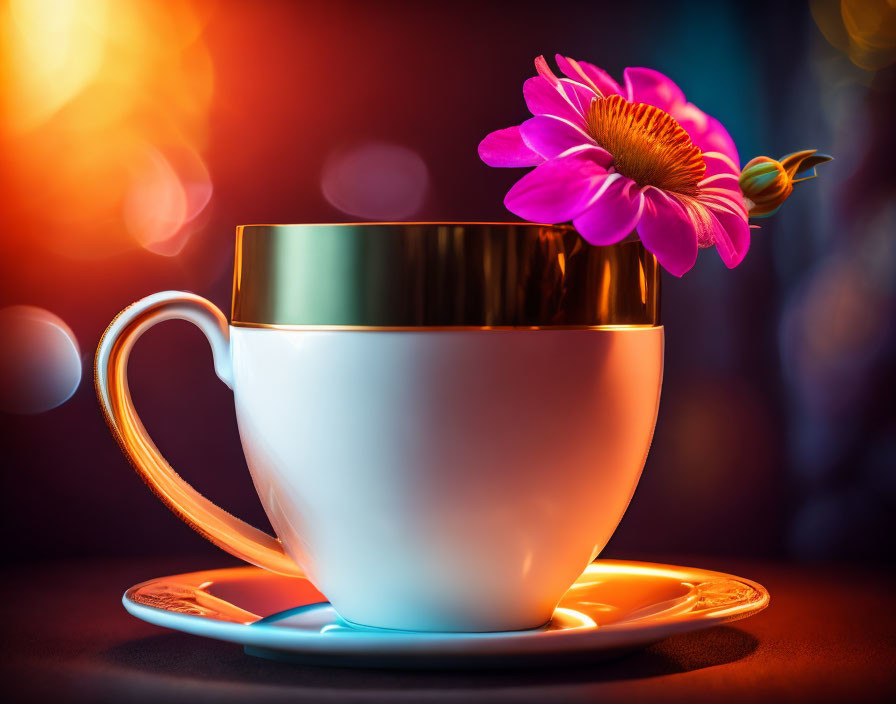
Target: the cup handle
(214, 523)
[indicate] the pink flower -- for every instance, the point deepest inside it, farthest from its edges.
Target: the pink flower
(616, 159)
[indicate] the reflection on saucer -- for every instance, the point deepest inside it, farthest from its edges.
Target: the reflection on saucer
(614, 606)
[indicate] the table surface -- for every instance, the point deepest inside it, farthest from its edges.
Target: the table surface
(828, 635)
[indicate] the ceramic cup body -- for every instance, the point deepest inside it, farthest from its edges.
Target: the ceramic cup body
(446, 480)
(444, 421)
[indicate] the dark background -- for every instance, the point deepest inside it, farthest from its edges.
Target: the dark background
(776, 434)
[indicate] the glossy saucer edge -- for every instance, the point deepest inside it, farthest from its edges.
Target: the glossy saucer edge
(613, 608)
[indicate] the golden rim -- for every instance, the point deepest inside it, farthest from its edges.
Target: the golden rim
(476, 276)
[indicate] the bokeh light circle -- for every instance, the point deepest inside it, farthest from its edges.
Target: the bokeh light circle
(375, 180)
(40, 363)
(167, 191)
(111, 122)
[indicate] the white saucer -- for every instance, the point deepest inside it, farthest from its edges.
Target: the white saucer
(614, 607)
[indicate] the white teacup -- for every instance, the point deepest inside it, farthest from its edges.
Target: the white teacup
(444, 422)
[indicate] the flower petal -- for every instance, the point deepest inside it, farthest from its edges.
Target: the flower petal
(550, 136)
(724, 182)
(613, 214)
(730, 199)
(731, 235)
(597, 154)
(580, 95)
(545, 71)
(567, 99)
(557, 190)
(718, 139)
(719, 163)
(668, 232)
(704, 130)
(644, 85)
(589, 74)
(507, 148)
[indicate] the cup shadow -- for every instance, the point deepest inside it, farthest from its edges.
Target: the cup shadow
(180, 657)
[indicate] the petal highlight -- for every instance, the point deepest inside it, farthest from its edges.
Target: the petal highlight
(589, 74)
(613, 215)
(551, 136)
(557, 190)
(545, 71)
(668, 232)
(567, 100)
(719, 163)
(731, 235)
(506, 148)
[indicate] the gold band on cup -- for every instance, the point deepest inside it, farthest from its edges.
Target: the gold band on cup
(478, 276)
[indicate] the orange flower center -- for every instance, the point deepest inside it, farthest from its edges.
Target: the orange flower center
(647, 145)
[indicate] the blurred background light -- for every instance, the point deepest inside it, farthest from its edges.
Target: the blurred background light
(107, 119)
(40, 363)
(863, 30)
(165, 194)
(375, 180)
(831, 329)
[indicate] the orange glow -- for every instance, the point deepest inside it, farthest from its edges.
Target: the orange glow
(864, 30)
(610, 595)
(106, 120)
(163, 199)
(642, 280)
(584, 620)
(603, 301)
(110, 377)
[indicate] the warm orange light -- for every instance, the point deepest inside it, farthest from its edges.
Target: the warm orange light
(106, 121)
(584, 621)
(610, 595)
(864, 30)
(210, 521)
(642, 280)
(603, 301)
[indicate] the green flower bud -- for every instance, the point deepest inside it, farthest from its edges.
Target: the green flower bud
(767, 183)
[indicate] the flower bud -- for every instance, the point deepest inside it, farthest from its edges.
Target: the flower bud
(767, 183)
